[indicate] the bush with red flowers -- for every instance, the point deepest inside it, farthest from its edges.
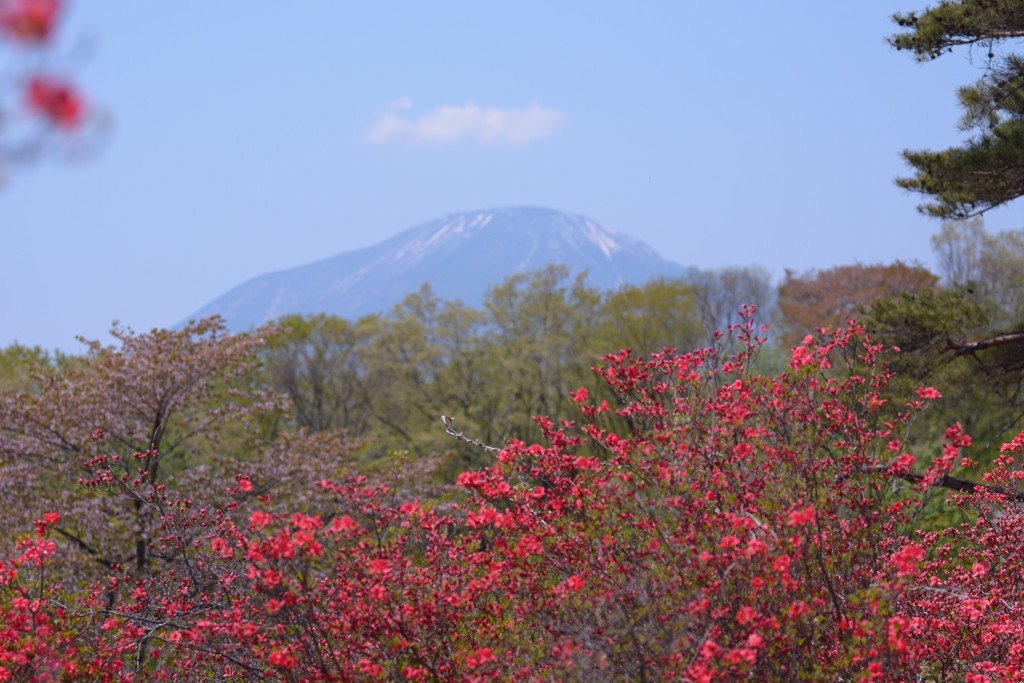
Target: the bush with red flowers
(712, 524)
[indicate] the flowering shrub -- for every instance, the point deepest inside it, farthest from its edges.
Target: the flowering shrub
(711, 525)
(960, 608)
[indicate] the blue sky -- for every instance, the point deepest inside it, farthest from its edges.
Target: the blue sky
(250, 137)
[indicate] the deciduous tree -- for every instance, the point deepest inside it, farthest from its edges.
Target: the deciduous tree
(17, 365)
(964, 339)
(651, 317)
(992, 266)
(721, 293)
(320, 363)
(154, 398)
(830, 297)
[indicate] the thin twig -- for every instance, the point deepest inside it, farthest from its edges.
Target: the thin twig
(449, 429)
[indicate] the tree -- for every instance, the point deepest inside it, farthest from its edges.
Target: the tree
(965, 339)
(651, 317)
(386, 380)
(407, 361)
(721, 293)
(17, 365)
(544, 345)
(320, 363)
(830, 297)
(987, 170)
(992, 266)
(151, 401)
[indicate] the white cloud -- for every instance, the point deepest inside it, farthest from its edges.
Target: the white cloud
(511, 127)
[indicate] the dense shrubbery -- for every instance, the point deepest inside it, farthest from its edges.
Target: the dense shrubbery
(707, 523)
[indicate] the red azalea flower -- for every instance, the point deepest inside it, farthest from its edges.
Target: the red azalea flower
(907, 557)
(29, 21)
(56, 101)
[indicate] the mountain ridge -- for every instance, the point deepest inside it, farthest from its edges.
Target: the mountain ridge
(461, 255)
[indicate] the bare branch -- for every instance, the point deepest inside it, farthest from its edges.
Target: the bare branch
(1002, 340)
(449, 429)
(962, 485)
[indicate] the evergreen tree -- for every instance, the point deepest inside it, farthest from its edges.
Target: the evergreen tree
(988, 169)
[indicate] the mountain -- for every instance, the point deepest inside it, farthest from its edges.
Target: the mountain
(460, 255)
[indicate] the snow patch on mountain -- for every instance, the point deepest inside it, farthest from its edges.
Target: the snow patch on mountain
(602, 237)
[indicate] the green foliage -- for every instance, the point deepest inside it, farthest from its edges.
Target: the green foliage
(981, 390)
(966, 181)
(545, 342)
(387, 380)
(986, 171)
(317, 361)
(18, 364)
(949, 24)
(963, 338)
(926, 324)
(660, 314)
